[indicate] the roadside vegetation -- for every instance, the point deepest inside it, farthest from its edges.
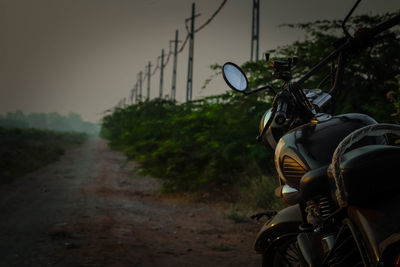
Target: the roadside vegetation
(205, 146)
(208, 146)
(25, 150)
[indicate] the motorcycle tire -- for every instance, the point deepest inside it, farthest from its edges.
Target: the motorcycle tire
(286, 254)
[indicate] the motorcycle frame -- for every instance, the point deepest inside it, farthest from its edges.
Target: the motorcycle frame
(274, 230)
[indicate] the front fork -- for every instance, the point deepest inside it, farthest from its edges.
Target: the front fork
(315, 242)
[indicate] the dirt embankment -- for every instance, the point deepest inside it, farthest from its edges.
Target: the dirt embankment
(89, 209)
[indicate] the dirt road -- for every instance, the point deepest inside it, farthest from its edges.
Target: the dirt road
(89, 209)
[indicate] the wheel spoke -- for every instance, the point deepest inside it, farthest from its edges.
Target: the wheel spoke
(287, 254)
(283, 256)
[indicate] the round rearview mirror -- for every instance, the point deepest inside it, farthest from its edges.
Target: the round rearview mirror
(234, 77)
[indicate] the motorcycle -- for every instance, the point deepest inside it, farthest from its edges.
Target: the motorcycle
(338, 174)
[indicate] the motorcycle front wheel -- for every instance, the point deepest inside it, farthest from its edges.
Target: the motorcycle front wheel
(286, 254)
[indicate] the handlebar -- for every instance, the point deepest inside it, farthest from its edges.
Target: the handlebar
(362, 40)
(283, 102)
(384, 26)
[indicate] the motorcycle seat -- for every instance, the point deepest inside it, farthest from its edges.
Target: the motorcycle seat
(370, 171)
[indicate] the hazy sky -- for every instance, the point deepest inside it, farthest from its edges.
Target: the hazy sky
(84, 55)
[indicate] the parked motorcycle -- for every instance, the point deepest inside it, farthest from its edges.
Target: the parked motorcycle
(339, 174)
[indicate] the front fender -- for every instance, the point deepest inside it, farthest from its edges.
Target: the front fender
(286, 222)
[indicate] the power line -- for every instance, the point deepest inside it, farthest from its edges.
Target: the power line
(184, 43)
(212, 16)
(157, 66)
(169, 54)
(189, 37)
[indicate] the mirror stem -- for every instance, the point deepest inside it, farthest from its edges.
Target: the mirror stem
(347, 18)
(260, 89)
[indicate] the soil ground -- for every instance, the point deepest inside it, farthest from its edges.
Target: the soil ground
(90, 209)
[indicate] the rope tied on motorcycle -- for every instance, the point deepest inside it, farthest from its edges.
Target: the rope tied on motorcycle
(345, 144)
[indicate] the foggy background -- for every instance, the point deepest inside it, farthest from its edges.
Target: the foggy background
(83, 56)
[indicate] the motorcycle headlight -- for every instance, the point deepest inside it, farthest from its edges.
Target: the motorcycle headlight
(273, 134)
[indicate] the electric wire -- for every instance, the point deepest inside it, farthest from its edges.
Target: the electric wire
(208, 21)
(184, 44)
(157, 66)
(212, 16)
(168, 56)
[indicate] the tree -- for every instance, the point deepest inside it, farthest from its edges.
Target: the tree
(369, 74)
(37, 120)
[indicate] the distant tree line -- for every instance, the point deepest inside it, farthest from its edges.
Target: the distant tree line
(52, 121)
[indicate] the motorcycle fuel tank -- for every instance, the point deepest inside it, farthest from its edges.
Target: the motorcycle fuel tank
(312, 145)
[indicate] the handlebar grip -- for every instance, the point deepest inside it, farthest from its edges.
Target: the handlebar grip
(280, 116)
(364, 39)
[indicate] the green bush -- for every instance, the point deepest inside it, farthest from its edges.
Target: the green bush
(206, 145)
(261, 193)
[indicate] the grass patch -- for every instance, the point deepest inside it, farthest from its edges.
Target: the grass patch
(260, 193)
(25, 150)
(237, 214)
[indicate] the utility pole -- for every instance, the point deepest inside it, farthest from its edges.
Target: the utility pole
(148, 80)
(161, 74)
(189, 87)
(131, 95)
(173, 89)
(255, 30)
(140, 85)
(136, 92)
